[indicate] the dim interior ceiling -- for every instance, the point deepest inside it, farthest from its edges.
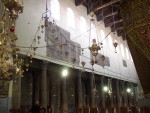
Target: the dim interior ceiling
(107, 11)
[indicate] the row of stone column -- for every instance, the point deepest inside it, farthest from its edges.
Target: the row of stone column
(40, 91)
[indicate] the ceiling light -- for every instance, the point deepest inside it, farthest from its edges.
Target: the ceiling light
(64, 72)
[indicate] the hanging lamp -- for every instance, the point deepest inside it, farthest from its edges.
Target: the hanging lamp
(115, 46)
(94, 48)
(82, 60)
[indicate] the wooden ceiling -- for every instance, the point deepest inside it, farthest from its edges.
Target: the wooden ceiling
(107, 11)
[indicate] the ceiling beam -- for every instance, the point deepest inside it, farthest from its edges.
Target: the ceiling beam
(111, 14)
(105, 16)
(113, 22)
(79, 2)
(120, 31)
(116, 28)
(107, 4)
(119, 28)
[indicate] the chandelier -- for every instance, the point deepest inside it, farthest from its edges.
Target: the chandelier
(13, 8)
(94, 48)
(10, 58)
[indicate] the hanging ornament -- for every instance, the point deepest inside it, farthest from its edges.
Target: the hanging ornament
(102, 58)
(83, 63)
(115, 45)
(34, 49)
(42, 26)
(94, 48)
(61, 46)
(92, 14)
(38, 37)
(101, 44)
(12, 28)
(66, 54)
(82, 59)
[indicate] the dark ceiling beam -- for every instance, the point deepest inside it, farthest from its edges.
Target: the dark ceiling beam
(79, 2)
(121, 33)
(119, 28)
(113, 29)
(100, 17)
(115, 26)
(113, 22)
(111, 14)
(107, 4)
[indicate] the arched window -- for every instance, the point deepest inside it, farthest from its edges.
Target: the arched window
(82, 24)
(102, 37)
(117, 48)
(122, 50)
(110, 42)
(70, 18)
(55, 9)
(127, 53)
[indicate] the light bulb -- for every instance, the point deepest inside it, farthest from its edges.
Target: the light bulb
(64, 72)
(105, 88)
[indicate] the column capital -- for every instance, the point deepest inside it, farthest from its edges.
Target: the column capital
(44, 64)
(79, 72)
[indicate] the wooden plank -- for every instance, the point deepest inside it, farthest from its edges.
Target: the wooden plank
(114, 22)
(107, 4)
(111, 14)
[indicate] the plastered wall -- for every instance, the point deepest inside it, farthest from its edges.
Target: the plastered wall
(28, 22)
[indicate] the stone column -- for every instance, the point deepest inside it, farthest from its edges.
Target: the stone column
(102, 92)
(92, 91)
(134, 94)
(35, 89)
(16, 93)
(43, 85)
(118, 96)
(125, 95)
(10, 94)
(78, 90)
(129, 98)
(52, 88)
(129, 95)
(63, 96)
(112, 94)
